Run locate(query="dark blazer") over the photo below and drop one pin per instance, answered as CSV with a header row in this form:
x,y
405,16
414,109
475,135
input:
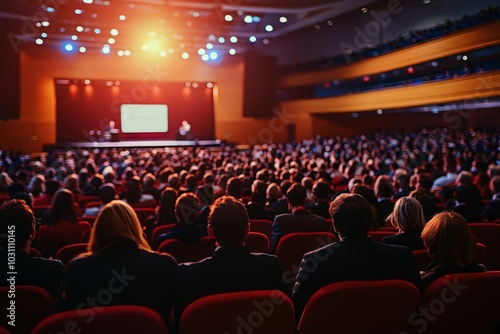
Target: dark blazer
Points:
x,y
229,269
470,215
190,233
351,260
492,210
409,239
384,209
321,209
122,274
280,206
38,271
298,221
259,211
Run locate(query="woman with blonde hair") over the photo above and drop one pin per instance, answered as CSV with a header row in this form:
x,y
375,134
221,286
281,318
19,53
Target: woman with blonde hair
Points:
x,y
120,268
451,244
408,218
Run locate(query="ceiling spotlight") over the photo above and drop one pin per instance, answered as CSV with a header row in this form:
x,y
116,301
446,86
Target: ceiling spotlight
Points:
x,y
45,23
106,49
269,28
82,49
248,19
39,41
163,53
228,17
74,37
201,51
121,53
464,57
364,10
210,46
426,2
252,39
87,81
185,55
68,47
79,28
111,40
127,52
214,55
97,31
283,19
232,52
222,40
205,57
210,85
78,11
265,41
122,17
233,39
113,32
43,34
379,111
88,1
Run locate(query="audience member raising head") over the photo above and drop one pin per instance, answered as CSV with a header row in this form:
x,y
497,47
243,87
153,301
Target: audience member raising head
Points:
x,y
118,252
450,242
408,218
17,217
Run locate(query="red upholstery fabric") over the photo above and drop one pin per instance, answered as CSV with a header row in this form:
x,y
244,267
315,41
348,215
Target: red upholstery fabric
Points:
x,y
488,234
360,307
460,303
143,214
257,242
184,252
157,231
261,225
292,247
256,312
67,253
123,319
33,304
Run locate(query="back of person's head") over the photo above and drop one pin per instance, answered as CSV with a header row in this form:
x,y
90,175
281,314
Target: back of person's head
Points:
x,y
24,196
463,194
259,189
368,180
37,184
5,180
449,240
71,182
174,181
187,208
366,192
307,182
352,215
424,181
107,193
228,221
273,192
51,187
149,180
296,195
96,181
234,187
165,173
465,177
63,207
134,190
495,184
408,214
285,185
108,174
403,180
205,194
191,181
16,213
166,213
117,221
427,202
208,178
321,190
353,182
383,187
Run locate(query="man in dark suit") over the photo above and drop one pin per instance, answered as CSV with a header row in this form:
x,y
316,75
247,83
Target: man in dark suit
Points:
x,y
321,194
232,267
300,220
356,257
18,220
256,208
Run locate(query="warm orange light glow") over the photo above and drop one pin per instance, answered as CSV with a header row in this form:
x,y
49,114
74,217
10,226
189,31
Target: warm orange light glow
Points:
x,y
73,89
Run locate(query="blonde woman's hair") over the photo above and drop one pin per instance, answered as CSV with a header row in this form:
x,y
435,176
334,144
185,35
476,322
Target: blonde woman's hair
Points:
x,y
408,214
116,221
449,240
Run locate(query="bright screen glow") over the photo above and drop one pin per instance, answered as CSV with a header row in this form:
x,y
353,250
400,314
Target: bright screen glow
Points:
x,y
144,118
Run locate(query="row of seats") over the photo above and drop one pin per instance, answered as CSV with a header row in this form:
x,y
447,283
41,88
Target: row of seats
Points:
x,y
458,303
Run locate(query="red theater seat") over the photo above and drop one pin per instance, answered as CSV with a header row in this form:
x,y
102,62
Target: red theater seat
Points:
x,y
256,312
123,319
257,242
360,307
68,252
184,252
261,225
489,235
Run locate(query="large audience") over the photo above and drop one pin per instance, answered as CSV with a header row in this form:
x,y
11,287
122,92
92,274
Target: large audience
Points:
x,y
425,185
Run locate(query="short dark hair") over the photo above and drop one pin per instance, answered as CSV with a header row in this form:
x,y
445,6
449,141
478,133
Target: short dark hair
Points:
x,y
296,195
107,193
234,187
187,208
321,190
229,221
15,212
259,189
51,187
352,215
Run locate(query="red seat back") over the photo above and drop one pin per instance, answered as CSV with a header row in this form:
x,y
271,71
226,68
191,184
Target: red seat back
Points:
x,y
69,252
378,235
157,231
261,225
459,303
32,305
488,234
257,242
184,252
423,258
143,214
124,319
360,307
256,312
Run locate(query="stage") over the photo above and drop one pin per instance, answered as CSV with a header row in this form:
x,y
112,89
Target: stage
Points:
x,y
135,143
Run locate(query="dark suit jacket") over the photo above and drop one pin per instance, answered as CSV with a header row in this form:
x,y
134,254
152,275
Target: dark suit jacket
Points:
x,y
384,209
259,211
470,215
38,271
435,271
409,239
351,260
280,207
230,269
492,210
298,221
122,274
321,209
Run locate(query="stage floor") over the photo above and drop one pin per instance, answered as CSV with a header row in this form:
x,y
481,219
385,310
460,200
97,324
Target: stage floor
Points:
x,y
139,143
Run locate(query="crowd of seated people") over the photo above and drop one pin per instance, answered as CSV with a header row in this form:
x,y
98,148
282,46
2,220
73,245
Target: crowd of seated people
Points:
x,y
413,37
382,180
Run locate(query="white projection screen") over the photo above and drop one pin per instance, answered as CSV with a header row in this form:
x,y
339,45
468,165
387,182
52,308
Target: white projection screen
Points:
x,y
144,118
